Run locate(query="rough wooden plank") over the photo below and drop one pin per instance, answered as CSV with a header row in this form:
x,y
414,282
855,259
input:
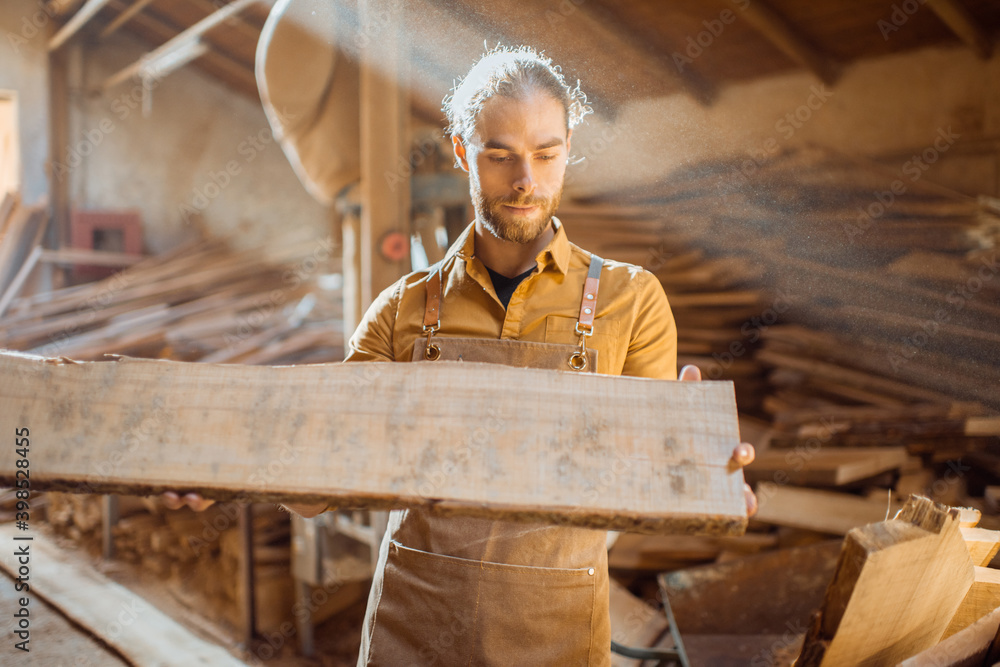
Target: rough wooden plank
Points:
x,y
974,646
898,584
983,597
822,511
830,466
634,623
479,439
670,552
768,593
983,544
114,614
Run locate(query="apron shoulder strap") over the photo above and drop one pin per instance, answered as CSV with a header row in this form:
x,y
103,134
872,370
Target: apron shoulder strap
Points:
x,y
588,305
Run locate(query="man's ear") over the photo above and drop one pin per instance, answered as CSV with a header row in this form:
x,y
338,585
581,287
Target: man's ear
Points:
x,y
569,133
460,153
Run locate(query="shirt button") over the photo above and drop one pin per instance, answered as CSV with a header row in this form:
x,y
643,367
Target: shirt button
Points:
x,y
590,571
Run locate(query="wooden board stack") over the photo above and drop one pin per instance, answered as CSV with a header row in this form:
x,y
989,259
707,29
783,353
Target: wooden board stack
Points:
x,y
202,301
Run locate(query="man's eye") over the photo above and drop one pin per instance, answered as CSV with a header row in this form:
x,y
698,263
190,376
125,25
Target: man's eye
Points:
x,y
547,157
499,158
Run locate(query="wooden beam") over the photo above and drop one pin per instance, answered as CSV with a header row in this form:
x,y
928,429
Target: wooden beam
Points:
x,y
975,645
385,199
113,614
983,597
983,544
823,511
15,286
654,47
180,41
219,65
124,17
70,256
964,25
897,585
78,20
476,439
762,594
829,466
782,34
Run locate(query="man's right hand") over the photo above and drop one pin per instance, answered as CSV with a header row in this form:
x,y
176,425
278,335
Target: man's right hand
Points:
x,y
193,500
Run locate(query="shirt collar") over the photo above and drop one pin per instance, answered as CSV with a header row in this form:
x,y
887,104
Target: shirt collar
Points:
x,y
556,253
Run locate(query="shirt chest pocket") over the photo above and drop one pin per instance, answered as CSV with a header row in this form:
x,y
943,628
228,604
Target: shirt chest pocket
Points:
x,y
561,329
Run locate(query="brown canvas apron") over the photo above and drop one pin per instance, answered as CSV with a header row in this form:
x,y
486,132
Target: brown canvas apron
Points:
x,y
469,591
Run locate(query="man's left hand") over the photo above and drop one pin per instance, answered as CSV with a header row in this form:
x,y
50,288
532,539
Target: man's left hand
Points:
x,y
742,455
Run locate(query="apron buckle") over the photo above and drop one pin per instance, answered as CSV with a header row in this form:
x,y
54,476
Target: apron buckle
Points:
x,y
431,351
578,360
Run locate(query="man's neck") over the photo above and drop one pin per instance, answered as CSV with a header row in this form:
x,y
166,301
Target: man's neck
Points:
x,y
506,257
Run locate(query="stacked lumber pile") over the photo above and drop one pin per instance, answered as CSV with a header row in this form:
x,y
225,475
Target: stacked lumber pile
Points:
x,y
913,283
711,297
203,301
872,348
188,551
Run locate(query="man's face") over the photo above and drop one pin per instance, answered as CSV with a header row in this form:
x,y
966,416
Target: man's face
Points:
x,y
516,160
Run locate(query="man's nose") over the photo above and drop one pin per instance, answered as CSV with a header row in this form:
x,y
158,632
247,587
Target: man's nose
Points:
x,y
524,182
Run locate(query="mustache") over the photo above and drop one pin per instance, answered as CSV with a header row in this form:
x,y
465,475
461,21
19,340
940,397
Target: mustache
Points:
x,y
517,201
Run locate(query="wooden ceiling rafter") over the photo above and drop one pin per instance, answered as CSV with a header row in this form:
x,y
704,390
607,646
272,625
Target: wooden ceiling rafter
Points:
x,y
124,17
76,22
958,19
230,71
179,41
689,79
784,35
542,28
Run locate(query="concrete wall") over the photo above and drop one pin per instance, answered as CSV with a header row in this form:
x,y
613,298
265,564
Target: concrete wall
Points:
x,y
203,151
24,68
878,108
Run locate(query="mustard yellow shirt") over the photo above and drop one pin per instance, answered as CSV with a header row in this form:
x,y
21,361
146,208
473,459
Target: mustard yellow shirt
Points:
x,y
634,330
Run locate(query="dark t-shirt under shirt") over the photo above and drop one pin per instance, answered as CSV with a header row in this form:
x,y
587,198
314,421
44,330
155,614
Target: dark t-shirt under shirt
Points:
x,y
504,286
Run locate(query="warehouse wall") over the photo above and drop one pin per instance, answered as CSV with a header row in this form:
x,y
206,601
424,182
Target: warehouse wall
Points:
x,y
24,68
204,151
885,108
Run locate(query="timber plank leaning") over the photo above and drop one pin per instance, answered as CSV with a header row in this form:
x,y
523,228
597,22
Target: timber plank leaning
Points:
x,y
477,439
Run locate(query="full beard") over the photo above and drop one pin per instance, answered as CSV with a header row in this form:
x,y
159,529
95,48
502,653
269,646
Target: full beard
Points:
x,y
515,228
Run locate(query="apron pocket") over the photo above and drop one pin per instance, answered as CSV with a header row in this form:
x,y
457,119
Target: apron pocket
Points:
x,y
443,610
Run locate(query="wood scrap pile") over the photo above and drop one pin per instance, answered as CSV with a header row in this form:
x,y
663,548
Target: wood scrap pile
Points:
x,y
911,280
203,301
187,551
873,349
